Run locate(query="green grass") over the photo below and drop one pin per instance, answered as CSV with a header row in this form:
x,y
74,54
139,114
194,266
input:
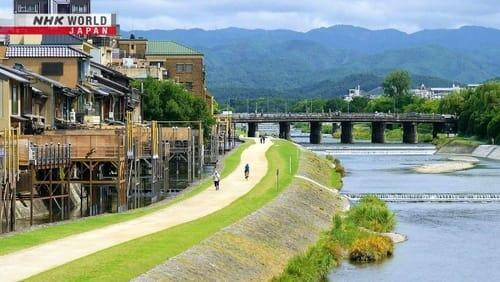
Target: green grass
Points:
x,y
336,174
347,236
128,260
28,239
372,213
457,141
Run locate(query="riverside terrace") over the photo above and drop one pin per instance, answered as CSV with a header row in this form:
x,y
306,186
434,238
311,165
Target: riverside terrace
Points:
x,y
441,123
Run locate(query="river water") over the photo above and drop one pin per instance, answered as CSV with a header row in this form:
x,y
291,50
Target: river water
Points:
x,y
447,241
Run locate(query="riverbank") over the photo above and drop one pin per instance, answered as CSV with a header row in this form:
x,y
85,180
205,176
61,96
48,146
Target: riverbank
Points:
x,y
468,147
133,258
360,235
259,246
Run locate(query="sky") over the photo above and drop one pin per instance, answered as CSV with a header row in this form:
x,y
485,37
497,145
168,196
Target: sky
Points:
x,y
299,15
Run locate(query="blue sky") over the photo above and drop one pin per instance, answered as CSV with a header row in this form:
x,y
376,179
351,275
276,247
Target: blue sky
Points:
x,y
300,15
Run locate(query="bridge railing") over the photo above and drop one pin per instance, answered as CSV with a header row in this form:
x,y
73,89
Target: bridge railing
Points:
x,y
339,115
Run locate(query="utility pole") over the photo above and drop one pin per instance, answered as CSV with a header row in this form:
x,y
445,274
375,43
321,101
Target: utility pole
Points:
x,y
277,180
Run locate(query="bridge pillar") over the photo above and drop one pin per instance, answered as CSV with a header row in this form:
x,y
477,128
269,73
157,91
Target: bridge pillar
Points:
x,y
410,133
437,128
285,131
315,137
346,134
252,129
335,127
378,132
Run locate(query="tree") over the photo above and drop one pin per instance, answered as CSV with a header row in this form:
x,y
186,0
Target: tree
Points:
x,y
397,85
452,103
167,100
382,104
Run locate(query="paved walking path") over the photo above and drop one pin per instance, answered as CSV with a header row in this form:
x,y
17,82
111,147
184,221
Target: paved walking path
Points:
x,y
26,263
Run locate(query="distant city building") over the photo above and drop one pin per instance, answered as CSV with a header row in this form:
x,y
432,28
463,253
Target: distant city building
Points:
x,y
353,93
52,6
435,92
140,58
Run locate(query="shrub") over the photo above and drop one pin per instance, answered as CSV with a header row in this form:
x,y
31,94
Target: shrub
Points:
x,y
313,266
373,214
371,249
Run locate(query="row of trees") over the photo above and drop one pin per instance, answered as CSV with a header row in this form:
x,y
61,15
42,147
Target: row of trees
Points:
x,y
478,110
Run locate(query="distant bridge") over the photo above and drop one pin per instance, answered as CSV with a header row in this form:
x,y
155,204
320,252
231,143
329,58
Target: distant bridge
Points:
x,y
429,197
441,123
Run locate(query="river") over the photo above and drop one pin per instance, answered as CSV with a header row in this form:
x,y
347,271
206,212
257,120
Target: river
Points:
x,y
447,241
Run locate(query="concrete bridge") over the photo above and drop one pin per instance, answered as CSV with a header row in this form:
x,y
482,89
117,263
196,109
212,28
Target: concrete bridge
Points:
x,y
430,197
379,121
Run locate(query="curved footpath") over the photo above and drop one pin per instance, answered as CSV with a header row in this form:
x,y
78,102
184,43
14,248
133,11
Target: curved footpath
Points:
x,y
259,247
26,263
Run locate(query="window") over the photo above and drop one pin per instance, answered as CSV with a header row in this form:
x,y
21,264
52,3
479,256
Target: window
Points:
x,y
14,100
132,47
79,9
27,8
63,9
157,64
188,86
52,69
26,100
184,68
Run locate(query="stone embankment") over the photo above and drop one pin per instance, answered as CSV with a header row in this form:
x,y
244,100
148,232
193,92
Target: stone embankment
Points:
x,y
487,152
462,158
481,151
259,247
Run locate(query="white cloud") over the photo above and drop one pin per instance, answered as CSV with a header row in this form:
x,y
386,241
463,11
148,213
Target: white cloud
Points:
x,y
410,15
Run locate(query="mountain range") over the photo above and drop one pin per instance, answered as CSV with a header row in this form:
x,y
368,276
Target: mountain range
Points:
x,y
326,62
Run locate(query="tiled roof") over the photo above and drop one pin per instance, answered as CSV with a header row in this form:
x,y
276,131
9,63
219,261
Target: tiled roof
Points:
x,y
169,48
13,74
43,51
61,40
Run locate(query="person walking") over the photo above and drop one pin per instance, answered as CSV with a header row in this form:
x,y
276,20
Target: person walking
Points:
x,y
216,178
247,171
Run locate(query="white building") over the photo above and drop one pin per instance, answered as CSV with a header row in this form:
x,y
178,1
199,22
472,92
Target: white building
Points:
x,y
435,92
353,93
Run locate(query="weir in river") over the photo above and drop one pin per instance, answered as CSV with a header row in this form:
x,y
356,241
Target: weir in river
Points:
x,y
429,197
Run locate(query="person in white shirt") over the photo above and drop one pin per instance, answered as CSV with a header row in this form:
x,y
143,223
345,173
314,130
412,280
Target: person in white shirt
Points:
x,y
216,177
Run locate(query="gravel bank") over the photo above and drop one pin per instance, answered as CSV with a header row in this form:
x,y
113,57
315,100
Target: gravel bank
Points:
x,y
445,167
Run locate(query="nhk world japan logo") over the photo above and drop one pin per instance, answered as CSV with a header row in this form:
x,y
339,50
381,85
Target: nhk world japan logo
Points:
x,y
75,24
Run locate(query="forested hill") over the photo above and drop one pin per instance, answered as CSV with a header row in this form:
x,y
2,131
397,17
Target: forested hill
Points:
x,y
328,61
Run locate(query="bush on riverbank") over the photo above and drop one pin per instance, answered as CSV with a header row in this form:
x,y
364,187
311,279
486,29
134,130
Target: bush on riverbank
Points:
x,y
371,249
353,236
373,214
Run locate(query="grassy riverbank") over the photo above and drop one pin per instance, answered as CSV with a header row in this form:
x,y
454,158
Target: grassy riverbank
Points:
x,y
457,141
16,242
128,260
259,246
352,236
